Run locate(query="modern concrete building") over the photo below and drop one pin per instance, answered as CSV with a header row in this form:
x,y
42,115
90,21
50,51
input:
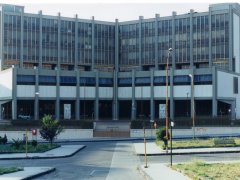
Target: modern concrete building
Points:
x,y
74,68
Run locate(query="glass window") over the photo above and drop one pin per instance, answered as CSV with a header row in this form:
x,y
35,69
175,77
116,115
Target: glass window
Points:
x,y
125,82
68,81
203,79
87,81
25,80
106,82
142,81
181,80
47,80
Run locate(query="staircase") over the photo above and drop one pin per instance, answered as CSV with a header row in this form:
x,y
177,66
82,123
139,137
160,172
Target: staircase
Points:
x,y
111,129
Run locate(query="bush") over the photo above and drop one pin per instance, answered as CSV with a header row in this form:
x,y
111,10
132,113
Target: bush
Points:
x,y
16,143
161,135
4,139
34,143
50,128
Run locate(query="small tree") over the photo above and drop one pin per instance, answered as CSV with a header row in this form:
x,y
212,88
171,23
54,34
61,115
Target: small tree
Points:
x,y
50,128
161,135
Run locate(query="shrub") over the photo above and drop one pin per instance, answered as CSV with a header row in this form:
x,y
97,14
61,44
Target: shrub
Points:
x,y
16,143
34,143
161,135
4,139
50,128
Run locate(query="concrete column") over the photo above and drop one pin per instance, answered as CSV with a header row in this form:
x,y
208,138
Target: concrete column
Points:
x,y
191,38
157,16
192,93
173,40
115,75
152,105
233,110
97,96
1,40
57,109
210,36
21,43
76,44
40,40
1,111
36,99
171,94
77,103
140,42
134,104
230,39
214,91
93,45
59,40
14,94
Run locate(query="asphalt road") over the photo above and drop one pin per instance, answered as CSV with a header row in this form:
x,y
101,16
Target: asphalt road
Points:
x,y
107,161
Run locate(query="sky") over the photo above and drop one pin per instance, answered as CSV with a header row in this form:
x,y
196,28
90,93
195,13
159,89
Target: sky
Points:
x,y
123,10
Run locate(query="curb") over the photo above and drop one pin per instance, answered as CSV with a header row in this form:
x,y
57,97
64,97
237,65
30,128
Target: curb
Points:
x,y
143,173
37,157
185,153
40,174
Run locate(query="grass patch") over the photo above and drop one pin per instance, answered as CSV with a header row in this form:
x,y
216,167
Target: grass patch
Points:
x,y
198,143
6,170
8,148
200,170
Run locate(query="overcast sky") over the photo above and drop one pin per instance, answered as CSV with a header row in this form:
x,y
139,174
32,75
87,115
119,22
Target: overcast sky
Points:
x,y
107,11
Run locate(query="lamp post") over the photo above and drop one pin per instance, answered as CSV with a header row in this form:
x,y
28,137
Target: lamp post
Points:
x,y
193,104
166,111
172,125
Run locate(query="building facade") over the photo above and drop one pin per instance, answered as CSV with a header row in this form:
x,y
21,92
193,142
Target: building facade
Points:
x,y
73,68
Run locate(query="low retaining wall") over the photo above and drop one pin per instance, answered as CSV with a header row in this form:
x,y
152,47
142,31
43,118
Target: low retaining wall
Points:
x,y
78,134
199,132
67,134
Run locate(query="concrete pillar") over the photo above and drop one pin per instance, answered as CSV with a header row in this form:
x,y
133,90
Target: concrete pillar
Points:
x,y
171,94
1,112
115,75
191,38
214,91
36,98
76,43
59,45
57,105
40,40
230,39
173,40
140,42
134,105
14,94
93,45
192,93
152,105
77,103
97,96
21,43
157,16
210,36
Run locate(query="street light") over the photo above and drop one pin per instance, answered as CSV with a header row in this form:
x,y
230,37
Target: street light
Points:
x,y
193,105
166,111
172,125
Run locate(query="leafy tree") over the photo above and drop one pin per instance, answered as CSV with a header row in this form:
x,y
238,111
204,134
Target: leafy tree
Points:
x,y
161,135
50,128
